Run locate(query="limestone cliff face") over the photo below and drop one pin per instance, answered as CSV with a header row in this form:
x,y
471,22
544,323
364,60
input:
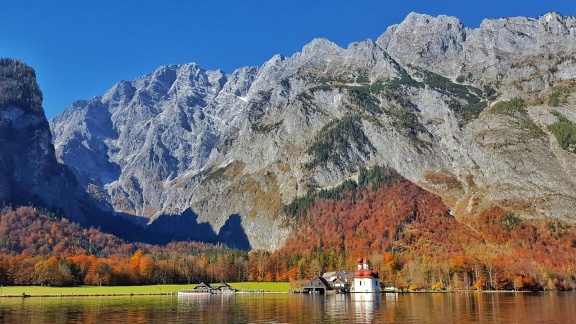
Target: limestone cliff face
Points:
x,y
234,148
29,171
501,50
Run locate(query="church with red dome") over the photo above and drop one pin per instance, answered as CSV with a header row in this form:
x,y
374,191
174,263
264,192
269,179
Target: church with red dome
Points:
x,y
365,279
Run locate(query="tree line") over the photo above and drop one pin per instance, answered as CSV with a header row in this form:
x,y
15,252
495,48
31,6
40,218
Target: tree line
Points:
x,y
37,247
139,269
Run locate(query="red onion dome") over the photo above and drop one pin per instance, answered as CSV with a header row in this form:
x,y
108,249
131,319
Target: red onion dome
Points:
x,y
366,273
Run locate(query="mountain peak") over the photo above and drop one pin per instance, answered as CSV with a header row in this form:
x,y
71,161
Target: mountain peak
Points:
x,y
321,47
418,19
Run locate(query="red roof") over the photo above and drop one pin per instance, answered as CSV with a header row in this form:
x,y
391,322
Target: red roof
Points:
x,y
366,273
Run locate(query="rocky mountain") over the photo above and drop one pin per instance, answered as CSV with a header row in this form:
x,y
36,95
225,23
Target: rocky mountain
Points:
x,y
30,174
29,171
468,114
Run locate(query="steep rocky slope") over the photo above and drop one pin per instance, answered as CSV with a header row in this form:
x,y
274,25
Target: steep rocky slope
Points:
x,y
30,174
29,171
429,98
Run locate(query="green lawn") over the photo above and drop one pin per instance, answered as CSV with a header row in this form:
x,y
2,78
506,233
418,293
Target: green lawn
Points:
x,y
126,290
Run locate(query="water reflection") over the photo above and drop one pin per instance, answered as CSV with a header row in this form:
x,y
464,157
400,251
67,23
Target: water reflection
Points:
x,y
365,306
287,308
83,310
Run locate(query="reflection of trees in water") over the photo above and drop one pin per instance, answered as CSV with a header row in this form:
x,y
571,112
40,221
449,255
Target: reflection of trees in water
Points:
x,y
297,308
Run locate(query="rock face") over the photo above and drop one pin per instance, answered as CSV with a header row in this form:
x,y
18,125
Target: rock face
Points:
x,y
216,156
29,171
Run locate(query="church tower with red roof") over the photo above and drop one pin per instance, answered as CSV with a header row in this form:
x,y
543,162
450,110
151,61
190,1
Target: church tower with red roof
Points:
x,y
366,280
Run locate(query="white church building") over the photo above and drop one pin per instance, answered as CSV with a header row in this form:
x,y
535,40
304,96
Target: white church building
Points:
x,y
366,280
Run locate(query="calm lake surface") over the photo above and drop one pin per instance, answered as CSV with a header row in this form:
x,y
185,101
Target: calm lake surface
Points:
x,y
289,308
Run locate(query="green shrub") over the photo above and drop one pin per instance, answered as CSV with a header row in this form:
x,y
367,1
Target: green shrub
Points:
x,y
509,107
336,139
361,97
560,94
565,132
510,222
377,176
408,121
214,173
403,81
465,101
266,128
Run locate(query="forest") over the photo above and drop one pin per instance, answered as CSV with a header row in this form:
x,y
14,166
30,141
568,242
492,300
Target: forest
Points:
x,y
414,242
38,248
407,233
18,86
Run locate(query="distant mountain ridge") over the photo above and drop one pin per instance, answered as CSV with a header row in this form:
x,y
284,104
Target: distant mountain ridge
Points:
x,y
430,98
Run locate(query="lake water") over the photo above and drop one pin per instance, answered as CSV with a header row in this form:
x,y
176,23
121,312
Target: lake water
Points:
x,y
290,308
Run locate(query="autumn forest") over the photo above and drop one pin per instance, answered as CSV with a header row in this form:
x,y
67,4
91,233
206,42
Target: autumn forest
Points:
x,y
407,232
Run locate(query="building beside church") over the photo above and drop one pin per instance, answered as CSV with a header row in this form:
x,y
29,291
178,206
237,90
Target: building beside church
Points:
x,y
364,280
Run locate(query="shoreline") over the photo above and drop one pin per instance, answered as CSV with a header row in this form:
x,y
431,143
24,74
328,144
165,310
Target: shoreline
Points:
x,y
243,288
173,293
90,295
125,291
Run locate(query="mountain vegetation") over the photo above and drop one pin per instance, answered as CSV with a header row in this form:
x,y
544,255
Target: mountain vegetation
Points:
x,y
414,242
336,140
18,87
565,132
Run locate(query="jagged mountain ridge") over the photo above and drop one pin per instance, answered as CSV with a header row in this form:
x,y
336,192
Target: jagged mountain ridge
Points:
x,y
418,99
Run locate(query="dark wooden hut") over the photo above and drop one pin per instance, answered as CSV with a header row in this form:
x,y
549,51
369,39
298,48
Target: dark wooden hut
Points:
x,y
317,285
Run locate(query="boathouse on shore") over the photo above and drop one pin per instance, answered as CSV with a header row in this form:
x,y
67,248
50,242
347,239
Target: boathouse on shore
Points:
x,y
363,280
318,285
203,287
225,288
339,281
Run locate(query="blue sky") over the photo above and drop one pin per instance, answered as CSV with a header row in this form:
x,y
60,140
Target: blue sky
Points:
x,y
81,48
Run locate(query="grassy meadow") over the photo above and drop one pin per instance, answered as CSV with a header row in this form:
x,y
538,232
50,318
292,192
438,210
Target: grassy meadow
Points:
x,y
136,290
